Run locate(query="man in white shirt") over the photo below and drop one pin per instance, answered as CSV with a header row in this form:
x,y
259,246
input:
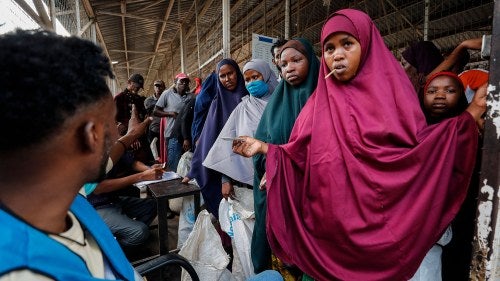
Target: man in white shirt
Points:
x,y
169,105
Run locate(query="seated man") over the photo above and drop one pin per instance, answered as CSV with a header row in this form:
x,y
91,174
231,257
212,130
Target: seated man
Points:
x,y
128,217
48,231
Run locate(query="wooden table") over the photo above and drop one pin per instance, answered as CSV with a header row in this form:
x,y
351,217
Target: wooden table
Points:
x,y
161,192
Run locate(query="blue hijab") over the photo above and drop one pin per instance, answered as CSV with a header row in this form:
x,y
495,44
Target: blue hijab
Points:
x,y
221,107
202,104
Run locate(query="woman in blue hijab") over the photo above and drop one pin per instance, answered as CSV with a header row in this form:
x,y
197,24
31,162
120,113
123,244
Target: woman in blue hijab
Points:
x,y
230,89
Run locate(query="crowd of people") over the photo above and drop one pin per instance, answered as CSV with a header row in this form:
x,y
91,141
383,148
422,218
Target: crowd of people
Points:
x,y
357,171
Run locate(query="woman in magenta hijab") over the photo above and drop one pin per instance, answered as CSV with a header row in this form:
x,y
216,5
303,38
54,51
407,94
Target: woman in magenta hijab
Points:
x,y
364,187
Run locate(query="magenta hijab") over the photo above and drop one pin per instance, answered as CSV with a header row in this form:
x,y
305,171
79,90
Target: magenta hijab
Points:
x,y
365,187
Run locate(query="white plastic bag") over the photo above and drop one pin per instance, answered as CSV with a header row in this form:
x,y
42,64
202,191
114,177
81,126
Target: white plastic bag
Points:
x,y
236,218
184,164
203,249
182,170
186,217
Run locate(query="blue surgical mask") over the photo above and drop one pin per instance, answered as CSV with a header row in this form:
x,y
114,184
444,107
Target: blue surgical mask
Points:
x,y
257,88
89,187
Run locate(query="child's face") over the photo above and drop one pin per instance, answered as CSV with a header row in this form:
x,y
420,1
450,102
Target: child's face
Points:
x,y
342,53
442,96
294,66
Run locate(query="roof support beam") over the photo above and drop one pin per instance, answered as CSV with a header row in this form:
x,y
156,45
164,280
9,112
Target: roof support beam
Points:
x,y
128,15
149,6
31,13
211,59
160,35
85,27
123,8
137,60
43,14
131,51
91,15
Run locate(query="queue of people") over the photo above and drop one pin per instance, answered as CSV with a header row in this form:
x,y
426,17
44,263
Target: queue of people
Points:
x,y
357,171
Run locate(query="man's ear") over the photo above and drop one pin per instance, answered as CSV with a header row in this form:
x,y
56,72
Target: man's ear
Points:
x,y
90,136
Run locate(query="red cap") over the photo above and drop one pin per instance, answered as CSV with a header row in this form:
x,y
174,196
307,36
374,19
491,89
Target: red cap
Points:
x,y
181,76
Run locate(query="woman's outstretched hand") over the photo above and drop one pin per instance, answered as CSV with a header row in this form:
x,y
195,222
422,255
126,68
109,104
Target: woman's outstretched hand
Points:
x,y
248,147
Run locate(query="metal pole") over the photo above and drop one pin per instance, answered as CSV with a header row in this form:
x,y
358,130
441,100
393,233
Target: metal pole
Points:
x,y
52,11
485,264
226,29
93,31
426,19
77,16
181,38
287,19
197,37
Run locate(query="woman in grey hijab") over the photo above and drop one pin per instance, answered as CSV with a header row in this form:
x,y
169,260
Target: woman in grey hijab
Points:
x,y
237,171
260,81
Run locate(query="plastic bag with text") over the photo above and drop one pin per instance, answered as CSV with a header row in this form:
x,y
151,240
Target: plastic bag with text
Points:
x,y
183,168
203,249
236,218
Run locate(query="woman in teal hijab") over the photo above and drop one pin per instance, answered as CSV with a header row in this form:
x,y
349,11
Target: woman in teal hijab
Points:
x,y
299,68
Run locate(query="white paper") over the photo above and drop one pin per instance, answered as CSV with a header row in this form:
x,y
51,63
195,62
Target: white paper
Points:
x,y
166,177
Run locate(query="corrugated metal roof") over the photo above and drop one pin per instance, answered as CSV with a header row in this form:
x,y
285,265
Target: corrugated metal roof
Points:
x,y
143,36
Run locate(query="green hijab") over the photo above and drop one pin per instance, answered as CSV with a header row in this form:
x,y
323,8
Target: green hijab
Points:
x,y
275,127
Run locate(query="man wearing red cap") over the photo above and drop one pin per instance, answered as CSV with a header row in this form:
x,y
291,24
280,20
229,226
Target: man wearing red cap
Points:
x,y
169,105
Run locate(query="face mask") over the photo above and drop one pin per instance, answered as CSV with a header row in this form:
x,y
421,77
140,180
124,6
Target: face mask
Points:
x,y
257,88
91,186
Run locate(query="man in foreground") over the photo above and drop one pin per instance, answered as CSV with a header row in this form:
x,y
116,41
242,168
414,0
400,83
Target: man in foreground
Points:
x,y
55,88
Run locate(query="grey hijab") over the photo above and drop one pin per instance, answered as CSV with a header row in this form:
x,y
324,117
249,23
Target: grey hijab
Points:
x,y
243,121
263,68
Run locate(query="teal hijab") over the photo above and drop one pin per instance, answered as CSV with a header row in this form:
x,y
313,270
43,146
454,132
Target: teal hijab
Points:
x,y
275,127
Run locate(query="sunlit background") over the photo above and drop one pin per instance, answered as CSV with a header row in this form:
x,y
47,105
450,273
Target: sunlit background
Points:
x,y
12,17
